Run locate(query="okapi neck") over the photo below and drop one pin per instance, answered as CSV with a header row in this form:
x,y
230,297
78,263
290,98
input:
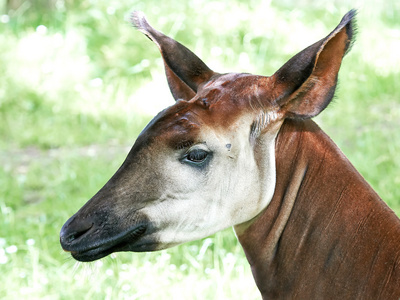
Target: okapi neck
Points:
x,y
310,241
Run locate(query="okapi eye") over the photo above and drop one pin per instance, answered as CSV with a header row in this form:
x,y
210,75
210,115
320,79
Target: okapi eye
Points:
x,y
197,156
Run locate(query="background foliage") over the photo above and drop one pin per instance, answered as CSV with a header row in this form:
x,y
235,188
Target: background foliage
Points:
x,y
77,85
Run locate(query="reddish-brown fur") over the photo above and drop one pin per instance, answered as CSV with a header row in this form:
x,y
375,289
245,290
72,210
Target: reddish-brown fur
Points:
x,y
326,234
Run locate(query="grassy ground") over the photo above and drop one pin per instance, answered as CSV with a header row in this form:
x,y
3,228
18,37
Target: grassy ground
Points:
x,y
77,85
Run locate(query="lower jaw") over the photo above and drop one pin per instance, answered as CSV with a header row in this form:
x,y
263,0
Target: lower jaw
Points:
x,y
98,253
90,255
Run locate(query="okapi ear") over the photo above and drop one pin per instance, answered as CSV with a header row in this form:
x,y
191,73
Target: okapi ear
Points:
x,y
305,85
184,70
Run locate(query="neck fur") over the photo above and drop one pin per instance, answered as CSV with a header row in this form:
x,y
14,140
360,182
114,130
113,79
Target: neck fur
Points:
x,y
324,227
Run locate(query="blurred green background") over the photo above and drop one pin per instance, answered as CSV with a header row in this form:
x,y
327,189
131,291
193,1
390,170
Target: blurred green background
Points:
x,y
77,85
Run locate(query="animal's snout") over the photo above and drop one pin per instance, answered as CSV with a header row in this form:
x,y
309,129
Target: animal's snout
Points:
x,y
91,236
73,231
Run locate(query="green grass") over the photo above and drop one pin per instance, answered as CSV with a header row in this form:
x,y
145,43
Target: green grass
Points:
x,y
75,94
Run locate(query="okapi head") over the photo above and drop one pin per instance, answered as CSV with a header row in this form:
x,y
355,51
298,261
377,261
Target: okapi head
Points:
x,y
208,161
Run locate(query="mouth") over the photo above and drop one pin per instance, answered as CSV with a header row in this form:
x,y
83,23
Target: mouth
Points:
x,y
121,242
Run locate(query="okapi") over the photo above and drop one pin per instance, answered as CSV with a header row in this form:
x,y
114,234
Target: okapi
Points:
x,y
241,150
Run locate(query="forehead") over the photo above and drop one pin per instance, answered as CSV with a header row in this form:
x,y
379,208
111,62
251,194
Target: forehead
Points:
x,y
218,104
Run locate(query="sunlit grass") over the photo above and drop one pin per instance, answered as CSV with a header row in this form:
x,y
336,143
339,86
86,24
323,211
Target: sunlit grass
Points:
x,y
77,86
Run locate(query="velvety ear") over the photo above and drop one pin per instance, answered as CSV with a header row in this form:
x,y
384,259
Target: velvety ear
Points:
x,y
305,85
184,70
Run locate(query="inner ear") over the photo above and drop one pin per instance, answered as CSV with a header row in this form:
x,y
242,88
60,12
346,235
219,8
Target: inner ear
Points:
x,y
185,71
305,85
179,89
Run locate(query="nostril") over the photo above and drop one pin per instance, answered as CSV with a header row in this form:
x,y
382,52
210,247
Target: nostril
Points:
x,y
70,238
76,235
72,230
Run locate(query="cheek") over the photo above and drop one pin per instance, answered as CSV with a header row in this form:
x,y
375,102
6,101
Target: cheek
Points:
x,y
181,179
194,203
182,220
238,187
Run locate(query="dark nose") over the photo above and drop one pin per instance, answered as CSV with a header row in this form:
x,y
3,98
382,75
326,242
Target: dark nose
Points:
x,y
73,230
